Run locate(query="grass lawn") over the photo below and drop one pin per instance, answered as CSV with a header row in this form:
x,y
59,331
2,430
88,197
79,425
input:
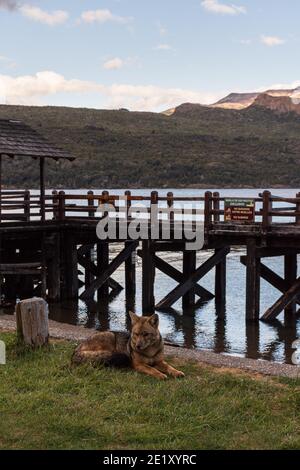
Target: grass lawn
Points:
x,y
47,404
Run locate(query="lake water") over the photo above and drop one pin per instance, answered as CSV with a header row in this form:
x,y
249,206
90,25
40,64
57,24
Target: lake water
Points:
x,y
200,328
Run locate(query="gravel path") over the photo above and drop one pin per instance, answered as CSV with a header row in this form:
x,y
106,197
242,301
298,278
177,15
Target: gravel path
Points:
x,y
79,333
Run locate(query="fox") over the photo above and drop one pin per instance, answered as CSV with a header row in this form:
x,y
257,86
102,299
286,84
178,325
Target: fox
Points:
x,y
142,349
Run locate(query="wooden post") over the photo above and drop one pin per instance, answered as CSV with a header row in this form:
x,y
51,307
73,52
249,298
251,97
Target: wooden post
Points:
x,y
220,287
189,267
252,340
267,207
290,275
252,282
32,322
53,267
55,204
27,205
130,263
70,267
170,202
148,276
207,212
298,209
62,203
102,265
42,188
216,206
91,204
88,276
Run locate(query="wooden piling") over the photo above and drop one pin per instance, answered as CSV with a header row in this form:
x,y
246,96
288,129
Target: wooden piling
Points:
x,y
102,264
220,287
189,267
148,276
290,275
52,247
252,282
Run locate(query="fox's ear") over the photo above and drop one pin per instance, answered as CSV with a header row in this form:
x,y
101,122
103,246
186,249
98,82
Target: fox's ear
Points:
x,y
154,320
134,318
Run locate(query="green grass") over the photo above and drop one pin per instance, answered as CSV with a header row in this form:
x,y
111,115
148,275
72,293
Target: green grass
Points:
x,y
47,404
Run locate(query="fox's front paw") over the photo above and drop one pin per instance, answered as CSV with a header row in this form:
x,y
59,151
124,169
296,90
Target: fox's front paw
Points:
x,y
178,374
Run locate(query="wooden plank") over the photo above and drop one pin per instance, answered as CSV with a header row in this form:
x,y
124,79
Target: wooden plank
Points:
x,y
252,282
282,302
182,288
172,272
120,258
87,263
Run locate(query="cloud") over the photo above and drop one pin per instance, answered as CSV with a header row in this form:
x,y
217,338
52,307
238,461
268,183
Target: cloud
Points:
x,y
8,5
38,89
272,41
41,16
113,64
103,16
163,47
214,6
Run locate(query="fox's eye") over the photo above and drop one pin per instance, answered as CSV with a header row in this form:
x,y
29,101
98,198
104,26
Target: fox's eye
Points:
x,y
145,334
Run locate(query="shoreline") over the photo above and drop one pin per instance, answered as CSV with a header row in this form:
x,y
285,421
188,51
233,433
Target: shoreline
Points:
x,y
63,331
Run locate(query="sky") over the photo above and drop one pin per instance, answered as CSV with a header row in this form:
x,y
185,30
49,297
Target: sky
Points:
x,y
146,55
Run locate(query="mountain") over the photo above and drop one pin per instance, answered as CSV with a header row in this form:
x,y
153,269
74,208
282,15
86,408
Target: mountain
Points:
x,y
278,103
236,101
197,146
244,100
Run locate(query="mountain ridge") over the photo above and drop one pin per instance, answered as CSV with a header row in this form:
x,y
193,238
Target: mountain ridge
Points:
x,y
206,148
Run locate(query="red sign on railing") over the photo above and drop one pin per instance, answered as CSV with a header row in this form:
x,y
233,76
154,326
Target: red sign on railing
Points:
x,y
239,210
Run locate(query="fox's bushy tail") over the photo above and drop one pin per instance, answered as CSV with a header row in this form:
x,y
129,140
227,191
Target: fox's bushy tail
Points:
x,y
104,358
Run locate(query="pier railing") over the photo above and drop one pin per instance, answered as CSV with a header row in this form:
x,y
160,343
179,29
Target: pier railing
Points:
x,y
25,206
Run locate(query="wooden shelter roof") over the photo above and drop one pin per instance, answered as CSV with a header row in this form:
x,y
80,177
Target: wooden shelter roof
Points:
x,y
18,139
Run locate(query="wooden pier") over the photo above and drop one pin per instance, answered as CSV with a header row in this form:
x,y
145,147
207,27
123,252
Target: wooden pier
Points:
x,y
49,247
49,244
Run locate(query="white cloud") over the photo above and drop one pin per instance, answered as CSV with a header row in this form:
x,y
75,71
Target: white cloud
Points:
x,y
214,6
113,64
102,16
38,89
163,47
281,86
41,16
272,41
